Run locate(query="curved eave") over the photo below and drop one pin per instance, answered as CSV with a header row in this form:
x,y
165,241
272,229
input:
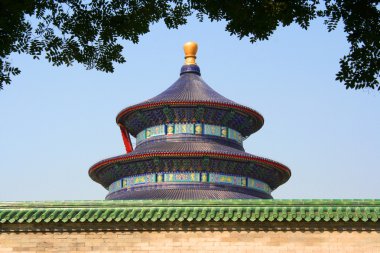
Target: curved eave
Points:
x,y
243,109
123,158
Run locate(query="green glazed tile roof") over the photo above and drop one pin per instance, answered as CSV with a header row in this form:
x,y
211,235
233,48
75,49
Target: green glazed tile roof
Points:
x,y
190,210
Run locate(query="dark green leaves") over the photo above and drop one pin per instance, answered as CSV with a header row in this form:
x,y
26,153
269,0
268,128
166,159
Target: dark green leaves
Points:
x,y
86,32
89,32
7,70
360,68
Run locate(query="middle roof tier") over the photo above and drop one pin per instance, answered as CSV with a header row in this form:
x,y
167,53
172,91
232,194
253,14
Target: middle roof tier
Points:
x,y
189,154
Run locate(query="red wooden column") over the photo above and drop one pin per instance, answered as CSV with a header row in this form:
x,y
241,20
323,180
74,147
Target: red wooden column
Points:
x,y
126,139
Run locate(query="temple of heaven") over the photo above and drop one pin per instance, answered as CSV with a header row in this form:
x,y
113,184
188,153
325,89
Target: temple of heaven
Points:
x,y
189,145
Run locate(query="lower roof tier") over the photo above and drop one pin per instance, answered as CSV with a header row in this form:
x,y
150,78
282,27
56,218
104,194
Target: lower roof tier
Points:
x,y
189,156
188,185
192,193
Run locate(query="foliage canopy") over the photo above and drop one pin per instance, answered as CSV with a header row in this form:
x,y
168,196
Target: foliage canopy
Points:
x,y
88,32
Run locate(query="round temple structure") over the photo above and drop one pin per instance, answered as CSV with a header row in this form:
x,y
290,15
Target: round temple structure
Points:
x,y
189,145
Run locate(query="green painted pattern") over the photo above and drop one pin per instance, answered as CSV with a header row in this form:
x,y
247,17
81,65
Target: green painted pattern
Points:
x,y
190,210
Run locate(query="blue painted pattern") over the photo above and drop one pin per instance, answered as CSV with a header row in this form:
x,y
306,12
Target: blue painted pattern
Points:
x,y
137,180
183,129
212,130
224,179
190,177
155,131
189,128
234,135
182,177
257,184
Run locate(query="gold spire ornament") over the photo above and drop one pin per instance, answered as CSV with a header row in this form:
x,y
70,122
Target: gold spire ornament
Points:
x,y
190,49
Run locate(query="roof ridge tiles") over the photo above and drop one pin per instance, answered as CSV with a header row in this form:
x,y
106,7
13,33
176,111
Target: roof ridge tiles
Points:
x,y
366,210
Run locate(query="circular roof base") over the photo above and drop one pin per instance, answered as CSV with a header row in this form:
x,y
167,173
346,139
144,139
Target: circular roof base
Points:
x,y
214,192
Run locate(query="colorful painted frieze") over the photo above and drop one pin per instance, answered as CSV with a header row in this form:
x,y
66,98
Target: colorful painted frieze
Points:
x,y
189,128
198,129
234,135
115,186
244,181
137,180
188,177
251,183
212,130
155,131
204,177
170,129
184,128
182,177
224,179
224,132
258,185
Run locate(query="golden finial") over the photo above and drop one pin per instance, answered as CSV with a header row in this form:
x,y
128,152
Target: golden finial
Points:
x,y
190,49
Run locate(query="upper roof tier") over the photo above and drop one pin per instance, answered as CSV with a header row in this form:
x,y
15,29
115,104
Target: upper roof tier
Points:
x,y
190,99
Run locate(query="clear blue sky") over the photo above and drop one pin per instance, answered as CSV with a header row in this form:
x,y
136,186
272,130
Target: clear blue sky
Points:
x,y
56,122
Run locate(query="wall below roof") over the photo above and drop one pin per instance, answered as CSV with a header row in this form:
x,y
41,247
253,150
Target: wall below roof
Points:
x,y
194,237
191,226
